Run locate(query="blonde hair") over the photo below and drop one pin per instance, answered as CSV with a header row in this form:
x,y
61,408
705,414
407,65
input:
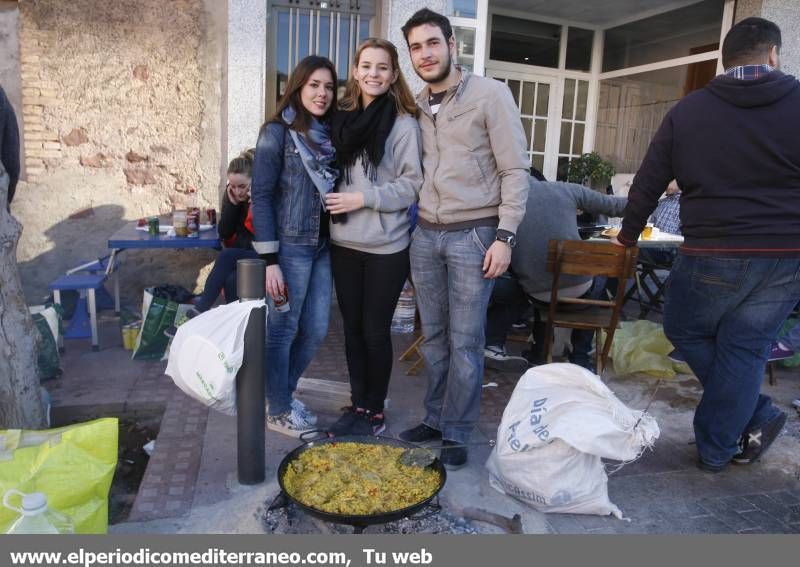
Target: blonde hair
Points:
x,y
398,90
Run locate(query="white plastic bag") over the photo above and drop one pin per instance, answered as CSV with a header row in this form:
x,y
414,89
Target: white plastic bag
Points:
x,y
207,352
560,421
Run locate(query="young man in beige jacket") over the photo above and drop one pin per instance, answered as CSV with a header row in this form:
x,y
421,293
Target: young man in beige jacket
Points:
x,y
472,199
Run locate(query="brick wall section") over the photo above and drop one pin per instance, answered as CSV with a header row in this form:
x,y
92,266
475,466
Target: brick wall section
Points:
x,y
38,93
121,118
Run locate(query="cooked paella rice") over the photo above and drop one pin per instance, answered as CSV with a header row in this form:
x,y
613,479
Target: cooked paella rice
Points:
x,y
357,479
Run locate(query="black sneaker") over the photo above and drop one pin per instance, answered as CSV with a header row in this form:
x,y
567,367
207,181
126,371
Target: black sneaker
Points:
x,y
344,425
368,423
453,458
753,444
420,434
709,468
170,331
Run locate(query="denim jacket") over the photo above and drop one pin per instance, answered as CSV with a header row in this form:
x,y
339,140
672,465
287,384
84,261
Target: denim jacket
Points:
x,y
285,202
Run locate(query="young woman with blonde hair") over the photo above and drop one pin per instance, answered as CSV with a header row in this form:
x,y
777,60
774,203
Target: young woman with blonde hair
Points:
x,y
378,149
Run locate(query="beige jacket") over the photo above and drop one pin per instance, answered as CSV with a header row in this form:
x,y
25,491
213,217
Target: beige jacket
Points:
x,y
473,155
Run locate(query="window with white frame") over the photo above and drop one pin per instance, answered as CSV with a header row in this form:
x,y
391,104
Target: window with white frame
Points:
x,y
610,85
468,18
555,59
648,66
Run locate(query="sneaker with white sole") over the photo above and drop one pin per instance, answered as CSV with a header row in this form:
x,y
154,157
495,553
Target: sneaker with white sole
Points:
x,y
288,423
497,358
778,351
302,410
754,443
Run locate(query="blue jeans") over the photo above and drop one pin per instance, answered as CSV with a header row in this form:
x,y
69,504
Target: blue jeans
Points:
x,y
294,336
452,295
722,314
508,304
223,276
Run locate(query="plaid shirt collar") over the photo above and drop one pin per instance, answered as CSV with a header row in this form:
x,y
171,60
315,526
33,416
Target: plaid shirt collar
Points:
x,y
749,72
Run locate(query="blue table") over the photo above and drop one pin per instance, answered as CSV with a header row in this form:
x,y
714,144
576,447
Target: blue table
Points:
x,y
128,237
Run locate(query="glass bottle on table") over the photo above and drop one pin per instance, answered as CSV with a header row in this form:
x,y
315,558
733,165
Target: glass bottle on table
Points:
x,y
179,223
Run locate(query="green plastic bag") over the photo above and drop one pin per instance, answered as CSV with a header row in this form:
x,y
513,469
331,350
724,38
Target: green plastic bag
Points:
x,y
641,347
73,466
48,323
158,315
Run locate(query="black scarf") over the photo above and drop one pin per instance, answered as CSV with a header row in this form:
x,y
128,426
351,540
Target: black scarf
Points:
x,y
362,133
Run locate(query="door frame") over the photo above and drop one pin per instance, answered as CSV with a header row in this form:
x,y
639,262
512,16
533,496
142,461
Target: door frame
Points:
x,y
553,110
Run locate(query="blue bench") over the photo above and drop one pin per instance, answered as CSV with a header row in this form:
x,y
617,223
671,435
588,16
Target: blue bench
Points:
x,y
89,283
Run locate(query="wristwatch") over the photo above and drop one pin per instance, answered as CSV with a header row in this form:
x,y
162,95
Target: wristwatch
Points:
x,y
507,237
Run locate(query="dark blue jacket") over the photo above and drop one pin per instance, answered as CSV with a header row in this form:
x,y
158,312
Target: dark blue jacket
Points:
x,y
285,202
9,143
733,147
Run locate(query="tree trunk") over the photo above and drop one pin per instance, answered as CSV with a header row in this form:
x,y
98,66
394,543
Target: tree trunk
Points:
x,y
20,399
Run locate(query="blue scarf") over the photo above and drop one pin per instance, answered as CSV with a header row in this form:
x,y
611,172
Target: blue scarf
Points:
x,y
318,157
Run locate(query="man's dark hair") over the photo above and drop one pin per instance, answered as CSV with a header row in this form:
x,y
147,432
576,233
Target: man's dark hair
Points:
x,y
425,16
749,41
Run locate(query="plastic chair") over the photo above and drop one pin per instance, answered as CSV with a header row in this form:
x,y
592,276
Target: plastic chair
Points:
x,y
574,257
89,283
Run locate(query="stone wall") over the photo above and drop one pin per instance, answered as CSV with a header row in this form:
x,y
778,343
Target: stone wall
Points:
x,y
786,14
121,119
394,16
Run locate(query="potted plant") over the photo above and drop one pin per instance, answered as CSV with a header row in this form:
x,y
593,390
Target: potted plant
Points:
x,y
591,170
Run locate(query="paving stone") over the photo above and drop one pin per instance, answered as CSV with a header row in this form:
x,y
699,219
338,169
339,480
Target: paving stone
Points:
x,y
589,522
769,523
770,506
738,504
564,524
707,525
785,497
721,511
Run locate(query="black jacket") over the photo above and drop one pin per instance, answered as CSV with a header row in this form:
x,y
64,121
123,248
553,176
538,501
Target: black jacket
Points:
x,y
231,223
734,148
9,143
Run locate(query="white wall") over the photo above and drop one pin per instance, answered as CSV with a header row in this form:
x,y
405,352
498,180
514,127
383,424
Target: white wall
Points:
x,y
247,52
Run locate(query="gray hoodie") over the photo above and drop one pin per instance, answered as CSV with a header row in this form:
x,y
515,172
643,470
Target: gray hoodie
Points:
x,y
381,227
551,214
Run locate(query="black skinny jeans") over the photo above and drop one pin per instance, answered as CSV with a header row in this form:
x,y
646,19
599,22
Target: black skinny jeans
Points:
x,y
367,288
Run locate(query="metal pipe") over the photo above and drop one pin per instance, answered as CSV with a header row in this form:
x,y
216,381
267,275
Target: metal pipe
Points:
x,y
250,386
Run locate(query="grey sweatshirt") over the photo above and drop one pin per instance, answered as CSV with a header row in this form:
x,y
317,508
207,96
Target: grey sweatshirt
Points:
x,y
381,227
551,214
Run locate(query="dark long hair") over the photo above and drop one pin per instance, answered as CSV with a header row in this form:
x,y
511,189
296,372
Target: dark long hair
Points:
x,y
297,80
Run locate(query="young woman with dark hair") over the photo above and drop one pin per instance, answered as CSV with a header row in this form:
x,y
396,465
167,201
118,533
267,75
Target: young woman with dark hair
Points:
x,y
294,169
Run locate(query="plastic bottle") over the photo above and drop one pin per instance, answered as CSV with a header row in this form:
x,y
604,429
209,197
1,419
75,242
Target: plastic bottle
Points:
x,y
405,312
36,517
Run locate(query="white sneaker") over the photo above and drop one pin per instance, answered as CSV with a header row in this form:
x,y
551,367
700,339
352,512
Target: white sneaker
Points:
x,y
497,358
288,423
302,411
